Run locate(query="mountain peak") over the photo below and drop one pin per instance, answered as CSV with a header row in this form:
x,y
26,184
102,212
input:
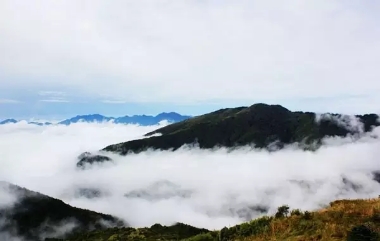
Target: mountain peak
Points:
x,y
168,115
263,106
7,121
260,125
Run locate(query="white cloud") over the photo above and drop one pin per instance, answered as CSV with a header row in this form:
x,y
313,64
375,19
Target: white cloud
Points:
x,y
9,101
193,51
52,93
55,100
199,187
53,96
114,101
7,197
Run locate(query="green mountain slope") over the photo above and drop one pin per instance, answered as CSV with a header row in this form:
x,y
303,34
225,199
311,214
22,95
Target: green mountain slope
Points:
x,y
34,214
259,124
177,231
343,220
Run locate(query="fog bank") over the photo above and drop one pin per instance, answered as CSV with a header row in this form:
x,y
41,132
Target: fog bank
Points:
x,y
204,188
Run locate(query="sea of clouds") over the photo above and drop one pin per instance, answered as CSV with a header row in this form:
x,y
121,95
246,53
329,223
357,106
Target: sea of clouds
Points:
x,y
204,188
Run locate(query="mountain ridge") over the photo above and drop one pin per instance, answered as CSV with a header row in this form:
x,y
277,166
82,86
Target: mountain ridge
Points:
x,y
260,124
144,120
343,220
347,219
28,214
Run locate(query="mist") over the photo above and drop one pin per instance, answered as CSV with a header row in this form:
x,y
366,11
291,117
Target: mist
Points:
x,y
203,188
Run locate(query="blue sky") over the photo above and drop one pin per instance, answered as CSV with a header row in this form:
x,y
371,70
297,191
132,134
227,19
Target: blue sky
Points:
x,y
62,58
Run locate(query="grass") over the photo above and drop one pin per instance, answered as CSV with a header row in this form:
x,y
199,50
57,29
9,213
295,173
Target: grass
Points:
x,y
348,220
332,223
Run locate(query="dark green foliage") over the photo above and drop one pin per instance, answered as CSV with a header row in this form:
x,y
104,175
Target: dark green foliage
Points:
x,y
224,234
178,231
259,124
376,217
295,212
203,237
88,158
255,227
245,230
363,233
307,215
282,211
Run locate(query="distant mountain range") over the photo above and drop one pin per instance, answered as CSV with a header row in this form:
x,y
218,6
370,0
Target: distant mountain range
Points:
x,y
144,120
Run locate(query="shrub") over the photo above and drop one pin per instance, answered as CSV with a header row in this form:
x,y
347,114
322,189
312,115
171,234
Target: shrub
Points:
x,y
260,225
282,211
202,237
245,229
363,233
296,212
224,234
307,215
376,216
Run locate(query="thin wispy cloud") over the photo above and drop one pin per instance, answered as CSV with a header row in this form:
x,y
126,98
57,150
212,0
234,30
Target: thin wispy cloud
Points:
x,y
53,96
9,101
114,101
55,100
52,93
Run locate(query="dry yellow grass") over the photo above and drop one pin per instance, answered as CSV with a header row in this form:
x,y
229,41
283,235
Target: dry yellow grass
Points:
x,y
332,223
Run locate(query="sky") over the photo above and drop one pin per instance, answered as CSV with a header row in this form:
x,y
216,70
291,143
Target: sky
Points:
x,y
203,188
62,58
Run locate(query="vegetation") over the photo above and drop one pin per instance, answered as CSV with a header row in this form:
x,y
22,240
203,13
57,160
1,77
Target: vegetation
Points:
x,y
177,231
259,125
87,158
342,220
345,220
35,213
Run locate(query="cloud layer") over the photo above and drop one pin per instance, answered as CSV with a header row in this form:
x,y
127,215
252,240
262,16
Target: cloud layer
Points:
x,y
194,51
205,188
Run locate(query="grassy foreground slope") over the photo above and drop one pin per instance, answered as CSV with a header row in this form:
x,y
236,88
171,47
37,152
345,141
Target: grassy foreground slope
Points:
x,y
348,220
342,220
259,124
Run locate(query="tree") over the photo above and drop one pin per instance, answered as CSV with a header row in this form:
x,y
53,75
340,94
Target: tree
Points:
x,y
282,211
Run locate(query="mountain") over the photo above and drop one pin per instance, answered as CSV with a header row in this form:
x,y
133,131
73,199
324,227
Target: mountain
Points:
x,y
13,121
34,214
342,220
40,123
38,217
178,231
144,120
8,121
86,118
261,125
